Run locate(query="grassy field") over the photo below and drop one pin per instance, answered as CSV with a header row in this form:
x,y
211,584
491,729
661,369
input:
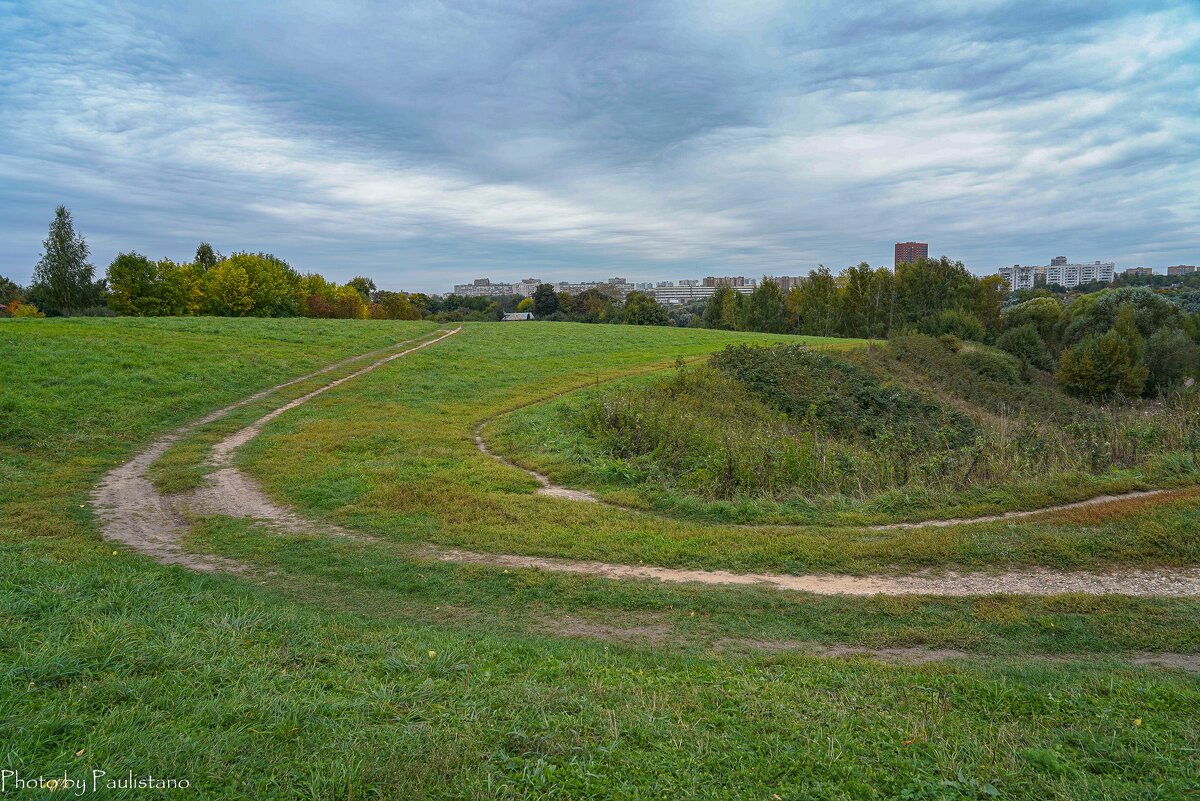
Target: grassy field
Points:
x,y
338,669
397,458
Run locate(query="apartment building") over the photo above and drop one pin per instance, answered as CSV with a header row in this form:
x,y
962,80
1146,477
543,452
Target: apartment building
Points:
x,y
786,283
1018,277
909,252
1181,269
615,286
728,280
685,293
1069,275
484,288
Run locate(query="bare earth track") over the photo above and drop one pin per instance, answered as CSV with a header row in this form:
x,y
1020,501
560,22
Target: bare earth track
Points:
x,y
134,513
1183,583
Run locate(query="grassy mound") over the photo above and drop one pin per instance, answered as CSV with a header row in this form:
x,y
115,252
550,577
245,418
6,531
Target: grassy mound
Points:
x,y
919,426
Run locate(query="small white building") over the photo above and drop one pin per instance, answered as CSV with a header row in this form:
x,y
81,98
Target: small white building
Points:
x,y
511,316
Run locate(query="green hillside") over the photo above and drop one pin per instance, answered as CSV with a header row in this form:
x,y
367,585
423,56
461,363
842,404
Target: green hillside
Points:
x,y
363,666
916,428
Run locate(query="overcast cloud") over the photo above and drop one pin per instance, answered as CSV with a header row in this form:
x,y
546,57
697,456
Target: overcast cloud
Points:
x,y
428,143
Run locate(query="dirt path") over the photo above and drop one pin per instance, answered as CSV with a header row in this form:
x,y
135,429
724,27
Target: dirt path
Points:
x,y
133,512
1062,507
548,487
136,514
1177,583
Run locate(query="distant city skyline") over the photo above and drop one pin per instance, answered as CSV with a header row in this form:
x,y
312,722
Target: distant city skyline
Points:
x,y
428,143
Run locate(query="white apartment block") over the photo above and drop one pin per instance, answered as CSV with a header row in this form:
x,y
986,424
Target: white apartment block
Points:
x,y
688,291
618,286
1018,277
482,287
1058,272
1069,275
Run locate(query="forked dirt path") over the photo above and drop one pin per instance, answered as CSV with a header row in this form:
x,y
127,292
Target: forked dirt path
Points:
x,y
133,512
547,487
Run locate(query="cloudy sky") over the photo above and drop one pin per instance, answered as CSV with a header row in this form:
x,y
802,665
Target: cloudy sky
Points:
x,y
427,143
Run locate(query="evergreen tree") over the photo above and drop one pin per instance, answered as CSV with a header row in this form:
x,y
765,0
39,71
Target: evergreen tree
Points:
x,y
62,279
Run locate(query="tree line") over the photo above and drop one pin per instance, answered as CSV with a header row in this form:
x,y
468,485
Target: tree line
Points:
x,y
1126,340
933,296
264,285
239,285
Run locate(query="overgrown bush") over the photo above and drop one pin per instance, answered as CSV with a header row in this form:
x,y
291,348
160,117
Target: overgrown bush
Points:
x,y
1170,356
950,321
1025,342
1095,314
841,397
1102,367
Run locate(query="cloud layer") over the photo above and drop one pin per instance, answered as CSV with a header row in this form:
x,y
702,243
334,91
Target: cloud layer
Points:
x,y
431,142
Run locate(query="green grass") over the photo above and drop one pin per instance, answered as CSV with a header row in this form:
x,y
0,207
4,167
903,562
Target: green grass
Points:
x,y
396,458
399,582
318,681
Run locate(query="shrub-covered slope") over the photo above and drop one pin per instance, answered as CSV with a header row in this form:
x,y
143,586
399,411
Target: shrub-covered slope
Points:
x,y
786,431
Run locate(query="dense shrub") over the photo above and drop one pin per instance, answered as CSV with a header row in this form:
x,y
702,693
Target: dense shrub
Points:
x,y
19,309
984,384
960,324
1024,342
1095,314
841,397
1042,313
641,309
1102,367
1170,356
781,422
991,364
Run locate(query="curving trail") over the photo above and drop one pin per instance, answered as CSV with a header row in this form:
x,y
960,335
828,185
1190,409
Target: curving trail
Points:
x,y
547,487
133,512
1176,583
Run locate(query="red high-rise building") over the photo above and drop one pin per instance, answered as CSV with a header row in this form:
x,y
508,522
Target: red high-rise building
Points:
x,y
908,252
